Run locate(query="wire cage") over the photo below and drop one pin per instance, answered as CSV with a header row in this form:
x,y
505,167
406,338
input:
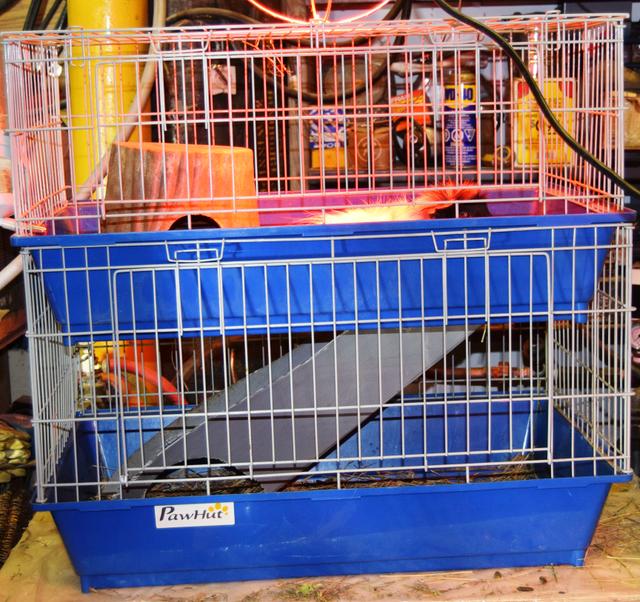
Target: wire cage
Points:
x,y
316,397
323,438
301,297
242,126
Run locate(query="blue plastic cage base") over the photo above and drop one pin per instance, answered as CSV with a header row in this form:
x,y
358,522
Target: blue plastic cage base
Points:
x,y
312,277
313,532
571,557
395,529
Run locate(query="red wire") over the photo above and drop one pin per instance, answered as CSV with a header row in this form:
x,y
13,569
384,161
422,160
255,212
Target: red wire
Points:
x,y
277,15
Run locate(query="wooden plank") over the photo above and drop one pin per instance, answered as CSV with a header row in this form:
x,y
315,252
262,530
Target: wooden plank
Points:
x,y
13,19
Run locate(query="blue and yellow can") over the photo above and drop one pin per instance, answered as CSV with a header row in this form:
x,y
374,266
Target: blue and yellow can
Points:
x,y
460,131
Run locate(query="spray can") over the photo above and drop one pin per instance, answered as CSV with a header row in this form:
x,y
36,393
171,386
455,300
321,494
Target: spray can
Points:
x,y
460,126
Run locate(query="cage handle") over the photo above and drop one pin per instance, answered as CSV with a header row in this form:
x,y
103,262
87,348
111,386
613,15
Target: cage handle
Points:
x,y
172,48
199,252
446,243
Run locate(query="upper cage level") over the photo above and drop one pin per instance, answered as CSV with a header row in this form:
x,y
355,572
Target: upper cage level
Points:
x,y
244,126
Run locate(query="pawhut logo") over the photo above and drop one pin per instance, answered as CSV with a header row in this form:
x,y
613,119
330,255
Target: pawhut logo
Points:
x,y
213,514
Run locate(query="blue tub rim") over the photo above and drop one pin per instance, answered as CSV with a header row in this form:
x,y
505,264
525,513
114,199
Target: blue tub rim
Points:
x,y
624,216
334,494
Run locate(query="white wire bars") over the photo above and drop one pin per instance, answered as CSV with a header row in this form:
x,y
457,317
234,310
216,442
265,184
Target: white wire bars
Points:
x,y
280,124
342,372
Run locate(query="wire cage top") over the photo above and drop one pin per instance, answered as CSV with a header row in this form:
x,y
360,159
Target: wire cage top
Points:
x,y
243,126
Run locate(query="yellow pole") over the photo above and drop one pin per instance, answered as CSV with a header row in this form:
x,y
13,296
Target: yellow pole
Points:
x,y
101,85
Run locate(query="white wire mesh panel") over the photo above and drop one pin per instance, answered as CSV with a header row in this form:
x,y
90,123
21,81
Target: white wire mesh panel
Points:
x,y
271,125
340,381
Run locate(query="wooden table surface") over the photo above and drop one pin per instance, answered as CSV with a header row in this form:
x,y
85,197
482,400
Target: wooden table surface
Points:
x,y
39,570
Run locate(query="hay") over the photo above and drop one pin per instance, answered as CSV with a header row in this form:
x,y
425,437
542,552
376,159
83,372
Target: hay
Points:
x,y
198,486
618,533
235,482
516,470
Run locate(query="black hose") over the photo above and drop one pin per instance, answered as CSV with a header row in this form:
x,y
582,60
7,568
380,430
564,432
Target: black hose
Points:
x,y
62,20
545,109
210,12
50,13
32,15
